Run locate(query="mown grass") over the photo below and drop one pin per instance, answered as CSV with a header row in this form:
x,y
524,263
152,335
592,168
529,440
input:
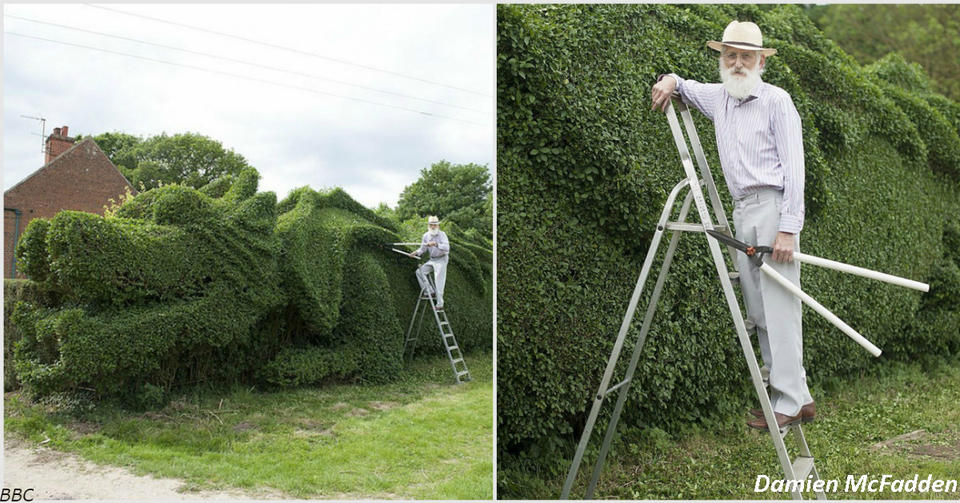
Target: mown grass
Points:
x,y
723,462
421,437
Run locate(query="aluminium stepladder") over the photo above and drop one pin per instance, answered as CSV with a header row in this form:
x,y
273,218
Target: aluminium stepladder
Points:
x,y
454,354
797,470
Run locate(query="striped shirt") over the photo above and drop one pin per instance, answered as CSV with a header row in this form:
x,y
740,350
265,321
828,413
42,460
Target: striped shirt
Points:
x,y
439,252
760,141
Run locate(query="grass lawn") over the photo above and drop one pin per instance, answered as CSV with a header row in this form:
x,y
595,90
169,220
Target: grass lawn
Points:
x,y
421,437
855,417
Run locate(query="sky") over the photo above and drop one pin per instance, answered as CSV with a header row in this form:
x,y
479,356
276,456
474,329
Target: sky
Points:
x,y
288,87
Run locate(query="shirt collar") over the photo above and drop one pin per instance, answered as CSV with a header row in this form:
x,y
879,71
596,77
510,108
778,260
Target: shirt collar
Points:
x,y
755,94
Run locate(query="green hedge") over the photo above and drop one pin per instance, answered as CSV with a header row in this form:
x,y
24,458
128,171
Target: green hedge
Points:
x,y
15,290
584,167
172,289
222,284
345,300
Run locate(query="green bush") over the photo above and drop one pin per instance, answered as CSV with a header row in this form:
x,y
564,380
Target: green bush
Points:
x,y
339,297
31,250
171,289
584,167
909,88
309,365
14,292
182,286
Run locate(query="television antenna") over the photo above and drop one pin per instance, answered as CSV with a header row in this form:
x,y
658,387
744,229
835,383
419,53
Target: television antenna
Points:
x,y
43,131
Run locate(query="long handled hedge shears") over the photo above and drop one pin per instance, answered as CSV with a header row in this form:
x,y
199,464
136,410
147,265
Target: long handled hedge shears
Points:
x,y
403,252
755,254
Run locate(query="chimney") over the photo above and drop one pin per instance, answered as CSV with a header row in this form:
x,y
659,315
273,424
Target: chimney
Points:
x,y
58,143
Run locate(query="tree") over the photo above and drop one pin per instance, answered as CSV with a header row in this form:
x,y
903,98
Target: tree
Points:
x,y
116,142
456,192
385,211
924,34
190,159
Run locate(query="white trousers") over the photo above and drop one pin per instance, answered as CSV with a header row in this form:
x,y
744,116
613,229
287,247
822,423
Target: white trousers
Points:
x,y
439,269
774,311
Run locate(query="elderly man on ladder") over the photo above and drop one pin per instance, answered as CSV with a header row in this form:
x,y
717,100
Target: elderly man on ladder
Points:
x,y
760,142
434,240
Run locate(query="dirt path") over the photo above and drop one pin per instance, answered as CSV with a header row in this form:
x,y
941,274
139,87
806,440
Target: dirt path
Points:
x,y
55,475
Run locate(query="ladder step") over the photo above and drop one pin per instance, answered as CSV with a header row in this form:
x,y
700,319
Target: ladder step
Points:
x,y
451,348
683,226
458,360
610,390
802,467
461,374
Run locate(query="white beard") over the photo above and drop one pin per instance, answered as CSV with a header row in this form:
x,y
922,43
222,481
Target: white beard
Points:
x,y
739,86
433,232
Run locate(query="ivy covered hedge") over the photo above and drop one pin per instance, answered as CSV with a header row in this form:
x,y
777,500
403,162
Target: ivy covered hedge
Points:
x,y
15,290
346,299
584,167
220,284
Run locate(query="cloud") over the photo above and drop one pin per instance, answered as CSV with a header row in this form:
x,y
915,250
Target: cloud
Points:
x,y
293,137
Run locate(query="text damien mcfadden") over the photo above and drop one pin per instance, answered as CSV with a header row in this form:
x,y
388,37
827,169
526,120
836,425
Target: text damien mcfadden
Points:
x,y
858,484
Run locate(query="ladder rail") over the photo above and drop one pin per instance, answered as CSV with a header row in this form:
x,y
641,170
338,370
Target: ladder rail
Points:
x,y
805,452
440,316
446,344
631,369
407,339
706,174
618,344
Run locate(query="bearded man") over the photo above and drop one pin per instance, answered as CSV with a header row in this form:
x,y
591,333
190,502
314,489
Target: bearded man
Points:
x,y
434,240
760,142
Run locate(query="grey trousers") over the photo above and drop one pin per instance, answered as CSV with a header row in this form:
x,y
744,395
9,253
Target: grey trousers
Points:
x,y
774,311
439,269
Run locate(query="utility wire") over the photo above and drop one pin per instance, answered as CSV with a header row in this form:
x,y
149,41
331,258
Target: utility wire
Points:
x,y
291,49
250,63
244,77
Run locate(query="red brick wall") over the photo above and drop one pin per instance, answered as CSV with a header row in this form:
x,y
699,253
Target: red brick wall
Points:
x,y
82,179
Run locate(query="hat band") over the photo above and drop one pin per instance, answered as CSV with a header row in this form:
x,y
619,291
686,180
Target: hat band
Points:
x,y
728,42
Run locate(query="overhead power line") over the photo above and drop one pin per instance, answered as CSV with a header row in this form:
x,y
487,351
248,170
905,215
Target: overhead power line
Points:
x,y
291,49
250,63
244,77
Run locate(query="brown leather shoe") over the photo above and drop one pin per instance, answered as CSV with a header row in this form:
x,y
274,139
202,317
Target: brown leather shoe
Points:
x,y
782,421
808,411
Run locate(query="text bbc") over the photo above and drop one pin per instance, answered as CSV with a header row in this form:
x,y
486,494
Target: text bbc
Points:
x,y
16,494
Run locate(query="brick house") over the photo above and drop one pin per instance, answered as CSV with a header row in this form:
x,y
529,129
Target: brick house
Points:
x,y
76,176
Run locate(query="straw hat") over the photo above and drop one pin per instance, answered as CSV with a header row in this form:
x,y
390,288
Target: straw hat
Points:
x,y
433,220
745,35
